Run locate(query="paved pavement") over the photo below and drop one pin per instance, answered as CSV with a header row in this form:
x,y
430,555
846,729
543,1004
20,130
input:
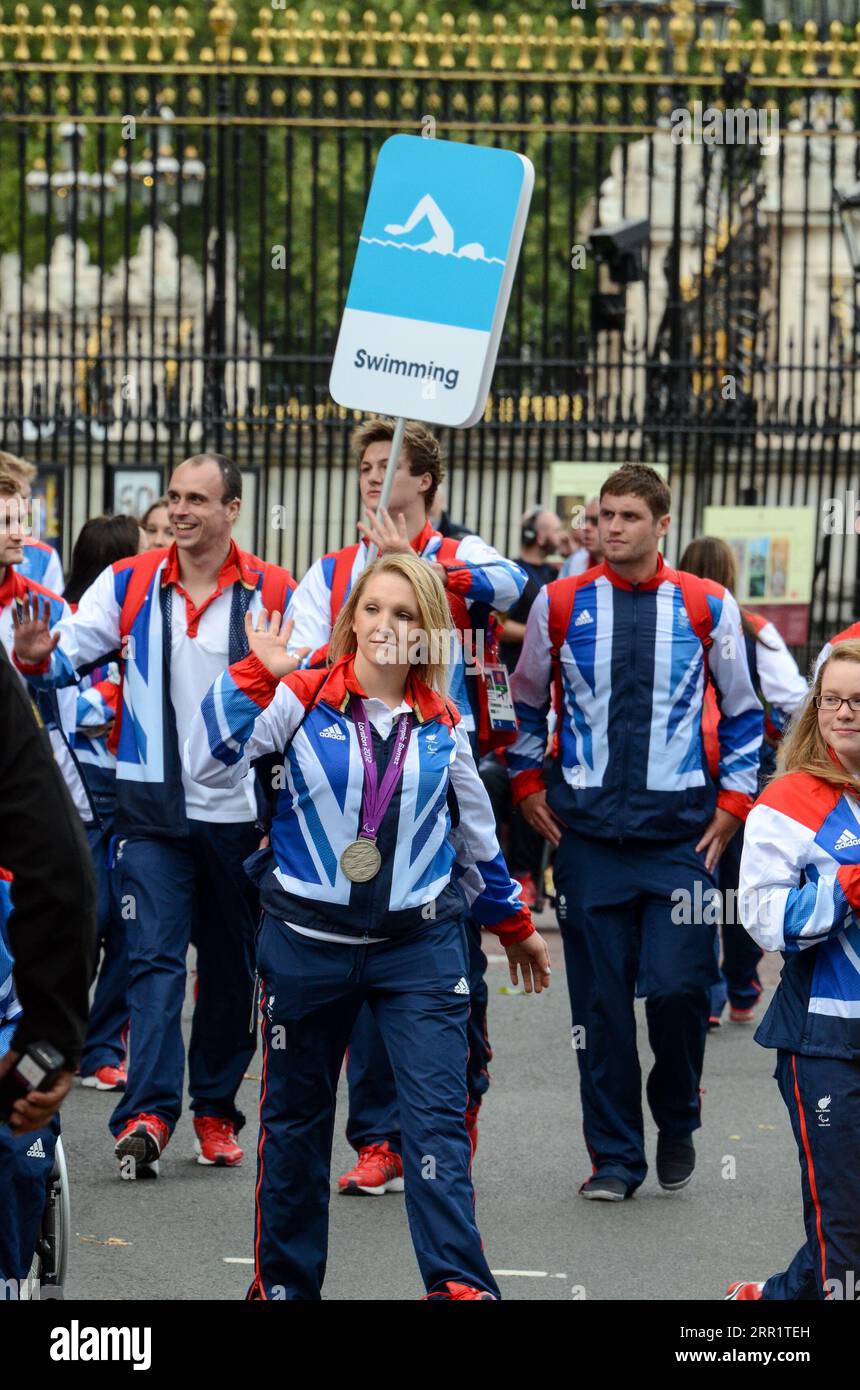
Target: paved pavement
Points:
x,y
187,1235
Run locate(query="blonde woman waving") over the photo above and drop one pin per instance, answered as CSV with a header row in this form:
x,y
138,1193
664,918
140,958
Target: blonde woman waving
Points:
x,y
382,841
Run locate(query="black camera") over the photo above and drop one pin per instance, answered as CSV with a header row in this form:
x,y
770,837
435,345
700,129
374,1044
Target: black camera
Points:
x,y
36,1070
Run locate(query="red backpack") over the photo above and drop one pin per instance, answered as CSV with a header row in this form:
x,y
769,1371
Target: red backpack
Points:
x,y
137,589
489,739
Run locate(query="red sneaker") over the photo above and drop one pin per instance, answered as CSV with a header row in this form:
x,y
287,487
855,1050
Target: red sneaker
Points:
x,y
215,1144
741,1015
458,1291
143,1139
529,887
378,1170
472,1125
742,1292
107,1079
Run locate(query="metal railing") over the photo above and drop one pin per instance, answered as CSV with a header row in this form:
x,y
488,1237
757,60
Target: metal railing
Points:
x,y
180,199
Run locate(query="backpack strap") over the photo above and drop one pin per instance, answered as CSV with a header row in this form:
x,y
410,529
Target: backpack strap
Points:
x,y
694,597
138,587
274,589
562,594
343,563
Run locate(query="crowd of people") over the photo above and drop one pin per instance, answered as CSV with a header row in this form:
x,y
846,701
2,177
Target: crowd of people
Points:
x,y
331,789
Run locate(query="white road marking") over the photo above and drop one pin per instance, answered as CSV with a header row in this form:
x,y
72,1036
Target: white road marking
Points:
x,y
236,1260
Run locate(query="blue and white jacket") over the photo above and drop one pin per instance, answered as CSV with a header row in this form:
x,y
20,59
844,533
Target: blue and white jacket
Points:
x,y
799,893
128,611
631,762
42,564
56,708
478,575
430,871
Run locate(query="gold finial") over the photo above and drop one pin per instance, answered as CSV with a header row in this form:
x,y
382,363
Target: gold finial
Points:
x,y
707,45
153,33
263,38
222,22
473,41
784,47
524,43
836,47
577,39
810,34
290,37
601,57
498,41
342,56
550,43
182,32
682,31
22,31
421,58
368,36
395,40
735,50
317,35
446,56
628,44
48,30
654,46
758,48
72,31
128,32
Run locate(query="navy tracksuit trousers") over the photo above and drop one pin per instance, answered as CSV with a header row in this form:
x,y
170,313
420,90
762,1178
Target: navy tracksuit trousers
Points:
x,y
313,992
373,1111
823,1099
174,890
26,1162
615,910
108,1022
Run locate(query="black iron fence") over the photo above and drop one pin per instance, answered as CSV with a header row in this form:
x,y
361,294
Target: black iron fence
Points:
x,y
178,218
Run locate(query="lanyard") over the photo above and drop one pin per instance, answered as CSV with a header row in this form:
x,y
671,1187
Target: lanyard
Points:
x,y
377,796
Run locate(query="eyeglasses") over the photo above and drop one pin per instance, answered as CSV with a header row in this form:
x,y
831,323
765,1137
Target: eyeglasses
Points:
x,y
833,704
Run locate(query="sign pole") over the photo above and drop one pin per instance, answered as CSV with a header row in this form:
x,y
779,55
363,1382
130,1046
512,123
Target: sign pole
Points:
x,y
390,468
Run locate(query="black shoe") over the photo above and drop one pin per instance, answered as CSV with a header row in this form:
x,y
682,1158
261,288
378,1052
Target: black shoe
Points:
x,y
676,1159
605,1190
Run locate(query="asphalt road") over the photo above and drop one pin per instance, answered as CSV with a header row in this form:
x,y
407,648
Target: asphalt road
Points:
x,y
188,1235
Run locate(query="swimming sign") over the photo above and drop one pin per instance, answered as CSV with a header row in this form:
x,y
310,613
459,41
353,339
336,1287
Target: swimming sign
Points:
x,y
432,278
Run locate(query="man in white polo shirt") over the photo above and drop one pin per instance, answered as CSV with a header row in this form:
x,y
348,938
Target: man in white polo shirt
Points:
x,y
176,618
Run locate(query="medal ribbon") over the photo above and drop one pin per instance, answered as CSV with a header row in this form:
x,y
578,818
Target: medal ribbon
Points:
x,y
377,797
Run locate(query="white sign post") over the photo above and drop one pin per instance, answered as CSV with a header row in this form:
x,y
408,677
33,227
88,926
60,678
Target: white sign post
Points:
x,y
430,287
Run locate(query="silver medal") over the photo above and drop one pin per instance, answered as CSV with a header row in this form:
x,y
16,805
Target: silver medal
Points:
x,y
361,861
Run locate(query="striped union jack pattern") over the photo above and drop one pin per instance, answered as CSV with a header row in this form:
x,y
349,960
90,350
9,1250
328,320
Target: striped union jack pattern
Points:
x,y
631,760
248,714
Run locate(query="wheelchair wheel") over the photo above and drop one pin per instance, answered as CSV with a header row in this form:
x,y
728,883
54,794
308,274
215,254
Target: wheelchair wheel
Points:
x,y
50,1262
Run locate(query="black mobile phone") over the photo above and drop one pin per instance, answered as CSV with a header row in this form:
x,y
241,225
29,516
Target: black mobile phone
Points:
x,y
36,1070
